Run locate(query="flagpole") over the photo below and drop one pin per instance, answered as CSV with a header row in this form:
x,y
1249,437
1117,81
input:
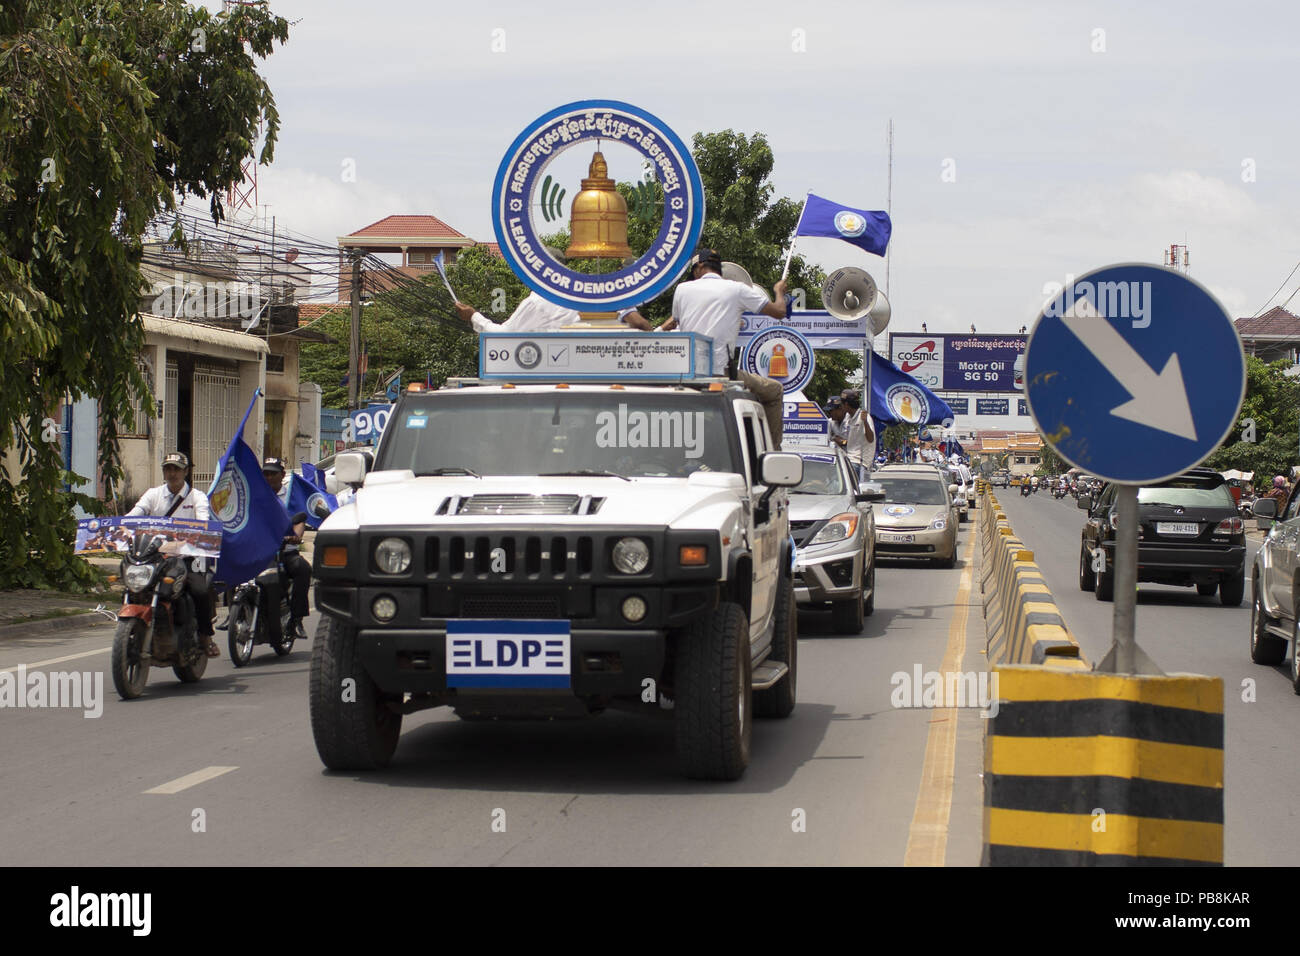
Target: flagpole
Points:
x,y
790,254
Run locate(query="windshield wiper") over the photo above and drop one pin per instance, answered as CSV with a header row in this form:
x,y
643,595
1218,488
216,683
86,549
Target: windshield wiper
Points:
x,y
583,472
452,470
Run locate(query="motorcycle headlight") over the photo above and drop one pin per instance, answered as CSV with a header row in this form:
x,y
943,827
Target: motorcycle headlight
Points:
x,y
393,555
939,523
138,576
839,528
631,555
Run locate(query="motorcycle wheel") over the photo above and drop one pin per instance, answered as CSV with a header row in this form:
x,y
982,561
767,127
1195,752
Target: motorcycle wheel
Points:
x,y
192,673
129,677
287,637
239,634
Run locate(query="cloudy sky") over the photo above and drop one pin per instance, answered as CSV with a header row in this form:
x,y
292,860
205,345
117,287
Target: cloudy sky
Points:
x,y
1031,140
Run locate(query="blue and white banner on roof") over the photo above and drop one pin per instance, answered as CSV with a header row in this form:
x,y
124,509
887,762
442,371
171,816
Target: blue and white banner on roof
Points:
x,y
252,518
516,193
818,326
867,229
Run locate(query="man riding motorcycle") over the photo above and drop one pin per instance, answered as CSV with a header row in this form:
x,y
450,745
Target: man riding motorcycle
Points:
x,y
176,499
298,570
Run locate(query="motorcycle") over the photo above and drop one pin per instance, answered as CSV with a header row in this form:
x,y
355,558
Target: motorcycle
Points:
x,y
1025,490
157,623
260,610
1059,492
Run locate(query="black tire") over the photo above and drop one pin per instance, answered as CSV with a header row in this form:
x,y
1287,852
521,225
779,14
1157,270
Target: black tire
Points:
x,y
129,677
1205,590
779,699
356,734
714,706
1232,590
870,606
193,673
1106,584
1265,648
240,638
1295,659
1087,577
287,637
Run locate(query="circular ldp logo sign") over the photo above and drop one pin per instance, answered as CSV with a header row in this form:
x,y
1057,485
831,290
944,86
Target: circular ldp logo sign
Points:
x,y
908,402
528,355
229,499
521,179
899,511
850,224
780,353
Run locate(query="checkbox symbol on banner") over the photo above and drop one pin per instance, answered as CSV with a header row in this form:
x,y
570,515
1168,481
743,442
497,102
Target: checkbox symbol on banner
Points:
x,y
560,355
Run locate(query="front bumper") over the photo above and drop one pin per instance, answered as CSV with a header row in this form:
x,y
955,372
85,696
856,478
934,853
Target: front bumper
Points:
x,y
831,575
927,542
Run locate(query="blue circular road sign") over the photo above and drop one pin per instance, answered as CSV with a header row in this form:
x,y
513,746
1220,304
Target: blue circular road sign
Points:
x,y
1134,373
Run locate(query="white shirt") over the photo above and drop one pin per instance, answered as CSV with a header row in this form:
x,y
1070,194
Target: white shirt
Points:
x,y
860,450
838,429
533,314
156,501
712,306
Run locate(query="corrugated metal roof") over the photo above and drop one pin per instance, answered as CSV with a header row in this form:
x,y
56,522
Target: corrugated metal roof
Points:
x,y
194,332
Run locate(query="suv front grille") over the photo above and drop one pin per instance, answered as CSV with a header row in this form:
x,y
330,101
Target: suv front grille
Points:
x,y
509,606
521,505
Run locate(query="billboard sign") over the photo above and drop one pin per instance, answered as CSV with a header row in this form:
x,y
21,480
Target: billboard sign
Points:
x,y
966,363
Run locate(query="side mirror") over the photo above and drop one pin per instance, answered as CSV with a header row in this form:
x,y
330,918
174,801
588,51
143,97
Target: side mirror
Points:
x,y
350,467
1264,508
781,469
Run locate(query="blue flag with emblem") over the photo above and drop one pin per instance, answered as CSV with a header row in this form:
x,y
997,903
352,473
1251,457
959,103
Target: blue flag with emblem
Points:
x,y
304,493
897,397
252,518
865,228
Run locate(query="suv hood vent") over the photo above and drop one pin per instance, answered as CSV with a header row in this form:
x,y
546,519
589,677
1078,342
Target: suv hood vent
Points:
x,y
521,505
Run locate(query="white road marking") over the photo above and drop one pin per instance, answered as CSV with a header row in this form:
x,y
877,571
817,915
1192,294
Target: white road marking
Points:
x,y
190,780
55,660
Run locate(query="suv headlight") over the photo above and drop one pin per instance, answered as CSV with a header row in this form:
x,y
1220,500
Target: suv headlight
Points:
x,y
939,523
631,555
138,576
839,528
393,555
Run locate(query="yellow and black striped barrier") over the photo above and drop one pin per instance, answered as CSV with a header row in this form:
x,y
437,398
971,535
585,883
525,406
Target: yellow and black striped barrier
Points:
x,y
1023,623
1086,769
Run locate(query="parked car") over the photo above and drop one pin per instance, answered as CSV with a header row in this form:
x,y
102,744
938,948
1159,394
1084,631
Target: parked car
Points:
x,y
1000,479
916,518
1189,533
835,539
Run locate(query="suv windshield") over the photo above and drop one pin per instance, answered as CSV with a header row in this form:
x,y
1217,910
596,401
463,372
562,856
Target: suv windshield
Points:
x,y
667,435
821,476
911,491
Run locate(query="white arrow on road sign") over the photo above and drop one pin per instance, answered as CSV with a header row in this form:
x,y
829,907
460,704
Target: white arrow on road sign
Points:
x,y
1158,401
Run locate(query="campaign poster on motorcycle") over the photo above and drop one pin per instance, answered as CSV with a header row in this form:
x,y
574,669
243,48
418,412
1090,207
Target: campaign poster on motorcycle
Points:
x,y
962,363
187,537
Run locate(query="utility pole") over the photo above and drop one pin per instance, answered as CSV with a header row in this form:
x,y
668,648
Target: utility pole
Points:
x,y
354,340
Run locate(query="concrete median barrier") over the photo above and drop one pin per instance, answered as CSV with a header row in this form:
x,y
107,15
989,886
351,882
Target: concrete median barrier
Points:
x,y
1103,770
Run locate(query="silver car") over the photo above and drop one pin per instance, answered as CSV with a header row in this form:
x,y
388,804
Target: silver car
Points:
x,y
834,535
917,518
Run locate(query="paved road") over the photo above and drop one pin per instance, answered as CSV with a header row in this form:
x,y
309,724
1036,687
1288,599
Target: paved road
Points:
x,y
1186,633
598,791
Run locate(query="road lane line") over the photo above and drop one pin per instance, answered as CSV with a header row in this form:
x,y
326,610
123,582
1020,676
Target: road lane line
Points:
x,y
927,838
190,780
55,660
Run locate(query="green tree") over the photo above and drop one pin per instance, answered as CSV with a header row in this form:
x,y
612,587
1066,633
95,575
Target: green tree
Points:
x,y
1265,438
110,114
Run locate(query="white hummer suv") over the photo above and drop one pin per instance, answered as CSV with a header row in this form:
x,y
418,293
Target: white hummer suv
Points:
x,y
544,550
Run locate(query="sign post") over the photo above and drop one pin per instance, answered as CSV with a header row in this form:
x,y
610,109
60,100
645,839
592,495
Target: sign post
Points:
x,y
1133,373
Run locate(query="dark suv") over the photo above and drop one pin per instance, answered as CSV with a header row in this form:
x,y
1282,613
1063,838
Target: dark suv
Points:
x,y
1190,532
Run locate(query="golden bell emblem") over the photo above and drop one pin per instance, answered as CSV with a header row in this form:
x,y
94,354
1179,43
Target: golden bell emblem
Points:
x,y
780,366
598,223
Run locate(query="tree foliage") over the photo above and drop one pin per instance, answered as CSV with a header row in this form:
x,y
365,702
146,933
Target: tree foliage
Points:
x,y
1265,438
110,114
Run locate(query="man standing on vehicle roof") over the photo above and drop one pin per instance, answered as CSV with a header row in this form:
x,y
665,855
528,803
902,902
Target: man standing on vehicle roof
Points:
x,y
535,314
860,439
837,427
714,306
